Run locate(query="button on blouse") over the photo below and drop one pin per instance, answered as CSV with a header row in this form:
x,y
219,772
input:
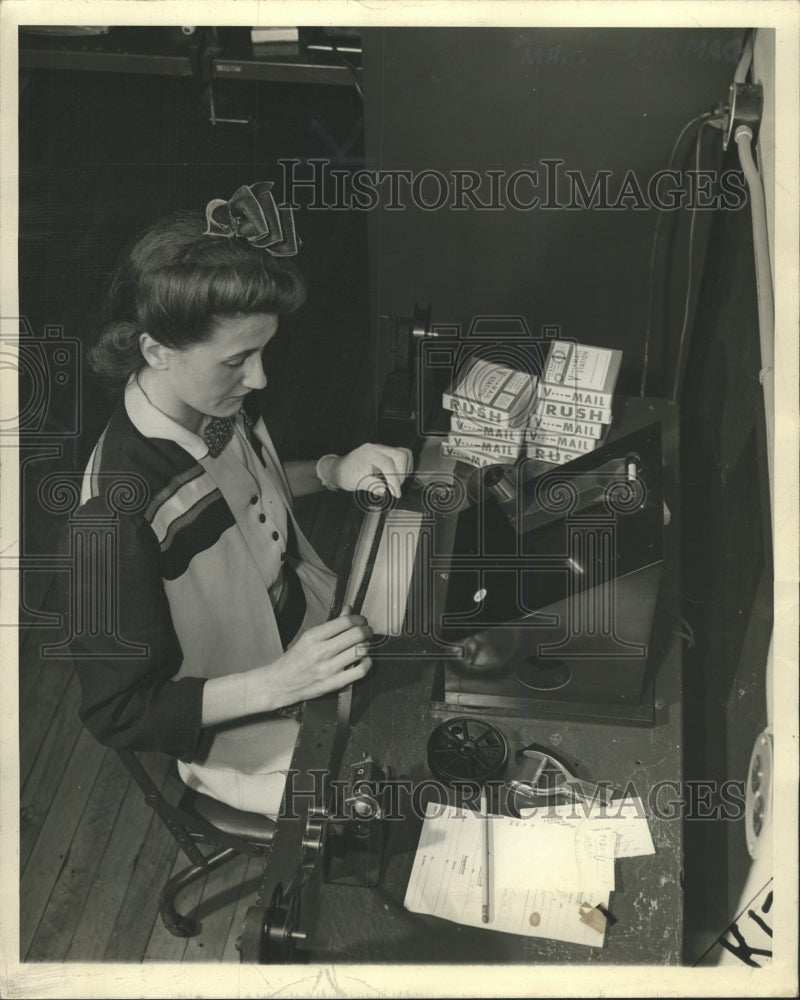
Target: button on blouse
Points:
x,y
256,505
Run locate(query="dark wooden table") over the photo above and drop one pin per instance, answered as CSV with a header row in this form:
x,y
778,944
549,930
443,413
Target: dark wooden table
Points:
x,y
393,718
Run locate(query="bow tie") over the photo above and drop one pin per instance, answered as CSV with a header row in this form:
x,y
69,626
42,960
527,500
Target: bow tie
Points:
x,y
217,433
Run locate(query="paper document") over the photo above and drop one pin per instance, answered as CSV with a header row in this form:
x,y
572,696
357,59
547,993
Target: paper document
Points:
x,y
624,818
546,877
553,853
550,868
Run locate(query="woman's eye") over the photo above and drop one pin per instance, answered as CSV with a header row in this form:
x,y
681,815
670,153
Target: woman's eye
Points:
x,y
235,364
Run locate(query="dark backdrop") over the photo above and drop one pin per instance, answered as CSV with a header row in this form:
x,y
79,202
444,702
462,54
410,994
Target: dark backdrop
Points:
x,y
504,99
103,155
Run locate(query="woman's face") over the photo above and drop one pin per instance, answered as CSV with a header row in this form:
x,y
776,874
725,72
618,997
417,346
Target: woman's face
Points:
x,y
214,376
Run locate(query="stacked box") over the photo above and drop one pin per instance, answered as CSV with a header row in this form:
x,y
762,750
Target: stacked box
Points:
x,y
572,407
491,406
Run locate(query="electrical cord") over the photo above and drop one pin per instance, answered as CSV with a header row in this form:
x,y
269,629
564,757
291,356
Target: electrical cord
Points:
x,y
764,292
745,59
704,118
696,600
352,68
685,631
687,300
685,636
739,76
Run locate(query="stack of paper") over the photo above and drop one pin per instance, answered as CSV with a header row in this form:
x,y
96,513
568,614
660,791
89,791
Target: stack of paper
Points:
x,y
550,868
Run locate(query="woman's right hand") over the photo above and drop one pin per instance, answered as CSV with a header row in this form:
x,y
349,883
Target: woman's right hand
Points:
x,y
325,658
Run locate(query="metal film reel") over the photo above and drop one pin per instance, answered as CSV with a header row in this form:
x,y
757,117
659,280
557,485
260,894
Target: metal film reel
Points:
x,y
271,935
466,750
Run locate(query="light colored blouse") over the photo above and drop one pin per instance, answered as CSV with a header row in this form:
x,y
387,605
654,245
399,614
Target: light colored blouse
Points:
x,y
224,528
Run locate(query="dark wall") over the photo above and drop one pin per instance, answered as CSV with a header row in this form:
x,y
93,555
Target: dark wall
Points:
x,y
505,99
103,155
726,567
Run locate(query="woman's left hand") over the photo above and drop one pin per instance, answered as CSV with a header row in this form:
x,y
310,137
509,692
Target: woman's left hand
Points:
x,y
370,467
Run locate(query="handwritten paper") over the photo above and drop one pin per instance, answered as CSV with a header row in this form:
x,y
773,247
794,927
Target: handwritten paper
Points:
x,y
526,896
550,868
624,818
553,853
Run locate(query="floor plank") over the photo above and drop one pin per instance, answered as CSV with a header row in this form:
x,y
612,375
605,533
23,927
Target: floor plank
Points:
x,y
248,892
97,919
74,882
163,946
54,843
139,911
216,911
46,775
53,705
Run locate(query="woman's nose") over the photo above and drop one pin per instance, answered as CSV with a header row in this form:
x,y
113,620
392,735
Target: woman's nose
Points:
x,y
254,377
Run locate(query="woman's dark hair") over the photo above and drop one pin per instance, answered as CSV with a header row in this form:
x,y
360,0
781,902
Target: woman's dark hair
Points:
x,y
175,281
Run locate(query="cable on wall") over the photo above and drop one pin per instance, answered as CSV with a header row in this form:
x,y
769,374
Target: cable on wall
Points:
x,y
688,297
766,306
701,119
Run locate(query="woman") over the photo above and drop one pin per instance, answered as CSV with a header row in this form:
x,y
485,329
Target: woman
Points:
x,y
218,586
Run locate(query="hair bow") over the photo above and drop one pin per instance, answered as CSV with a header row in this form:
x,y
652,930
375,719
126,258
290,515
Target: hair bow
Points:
x,y
253,214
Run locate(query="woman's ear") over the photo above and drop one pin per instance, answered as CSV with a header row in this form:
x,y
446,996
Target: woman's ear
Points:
x,y
155,354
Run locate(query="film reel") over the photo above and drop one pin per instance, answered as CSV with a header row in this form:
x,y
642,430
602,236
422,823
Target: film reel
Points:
x,y
466,749
271,935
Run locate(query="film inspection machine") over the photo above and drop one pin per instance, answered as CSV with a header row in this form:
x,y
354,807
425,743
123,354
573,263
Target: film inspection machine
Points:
x,y
520,611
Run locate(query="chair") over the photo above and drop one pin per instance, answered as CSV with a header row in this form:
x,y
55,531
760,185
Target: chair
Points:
x,y
198,820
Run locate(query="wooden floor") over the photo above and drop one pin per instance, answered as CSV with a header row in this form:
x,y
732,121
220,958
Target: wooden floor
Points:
x,y
93,856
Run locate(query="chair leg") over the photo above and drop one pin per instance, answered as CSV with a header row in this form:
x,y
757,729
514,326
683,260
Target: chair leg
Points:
x,y
174,922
